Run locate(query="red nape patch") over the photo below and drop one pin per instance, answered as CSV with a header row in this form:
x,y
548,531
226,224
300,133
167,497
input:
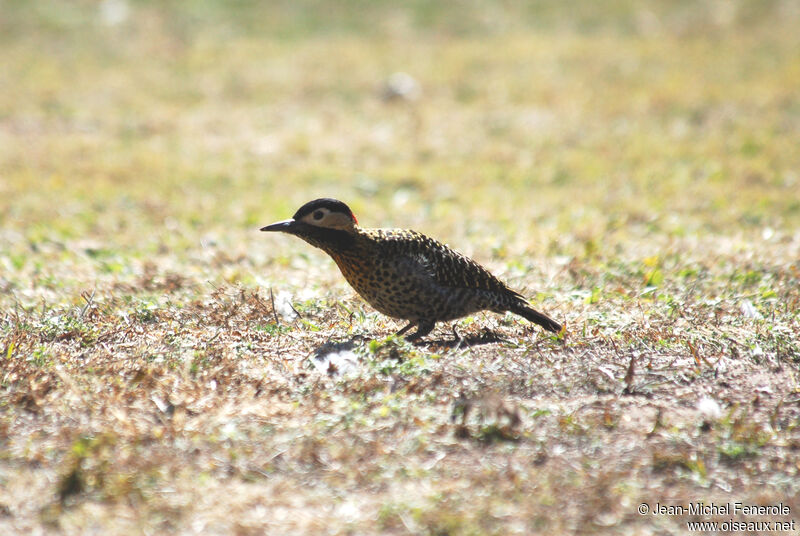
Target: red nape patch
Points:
x,y
354,218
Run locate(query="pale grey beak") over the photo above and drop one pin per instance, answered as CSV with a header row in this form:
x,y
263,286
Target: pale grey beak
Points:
x,y
284,225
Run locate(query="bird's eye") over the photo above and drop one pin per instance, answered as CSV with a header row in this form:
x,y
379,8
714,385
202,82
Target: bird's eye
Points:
x,y
318,215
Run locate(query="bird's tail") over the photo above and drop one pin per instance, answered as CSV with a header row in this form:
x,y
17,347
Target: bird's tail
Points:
x,y
529,313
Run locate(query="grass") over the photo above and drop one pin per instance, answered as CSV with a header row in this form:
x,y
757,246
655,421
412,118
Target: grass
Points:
x,y
631,169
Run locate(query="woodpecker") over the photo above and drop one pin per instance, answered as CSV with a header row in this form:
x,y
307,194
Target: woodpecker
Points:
x,y
404,274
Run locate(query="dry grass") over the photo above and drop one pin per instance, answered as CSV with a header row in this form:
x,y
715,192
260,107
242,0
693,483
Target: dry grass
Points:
x,y
634,171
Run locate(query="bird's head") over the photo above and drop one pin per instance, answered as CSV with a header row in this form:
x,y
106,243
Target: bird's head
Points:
x,y
324,223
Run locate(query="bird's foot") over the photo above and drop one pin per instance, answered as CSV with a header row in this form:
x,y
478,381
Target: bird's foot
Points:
x,y
405,329
423,328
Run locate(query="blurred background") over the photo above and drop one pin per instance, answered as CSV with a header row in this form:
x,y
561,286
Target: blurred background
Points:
x,y
513,130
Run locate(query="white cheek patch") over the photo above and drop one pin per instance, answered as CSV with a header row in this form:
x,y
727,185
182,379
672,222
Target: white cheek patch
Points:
x,y
337,220
330,220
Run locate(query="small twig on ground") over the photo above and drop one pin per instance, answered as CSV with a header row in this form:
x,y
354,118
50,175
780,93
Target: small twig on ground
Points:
x,y
657,425
89,300
212,339
274,312
629,375
295,310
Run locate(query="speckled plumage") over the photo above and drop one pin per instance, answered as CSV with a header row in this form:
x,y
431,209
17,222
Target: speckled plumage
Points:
x,y
405,274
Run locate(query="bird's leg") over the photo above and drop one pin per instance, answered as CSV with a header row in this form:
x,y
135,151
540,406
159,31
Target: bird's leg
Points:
x,y
457,336
458,339
405,329
423,328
